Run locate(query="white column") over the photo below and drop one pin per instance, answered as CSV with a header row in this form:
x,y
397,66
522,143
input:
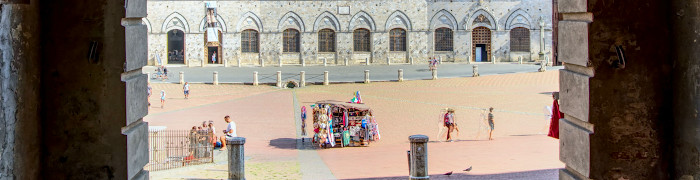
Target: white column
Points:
x,y
216,78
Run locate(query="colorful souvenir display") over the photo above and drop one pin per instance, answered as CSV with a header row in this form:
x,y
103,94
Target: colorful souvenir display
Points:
x,y
340,124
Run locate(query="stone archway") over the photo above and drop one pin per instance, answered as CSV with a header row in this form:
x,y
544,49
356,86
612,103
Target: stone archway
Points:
x,y
481,44
176,47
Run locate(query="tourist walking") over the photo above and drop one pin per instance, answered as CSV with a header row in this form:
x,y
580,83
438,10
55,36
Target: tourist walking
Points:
x,y
449,119
556,115
162,98
491,123
186,89
229,133
303,122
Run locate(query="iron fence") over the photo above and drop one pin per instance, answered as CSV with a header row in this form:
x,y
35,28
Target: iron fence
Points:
x,y
170,149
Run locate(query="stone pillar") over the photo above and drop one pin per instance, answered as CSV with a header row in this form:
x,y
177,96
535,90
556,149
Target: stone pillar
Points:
x,y
367,61
543,66
239,61
255,78
182,77
225,63
325,78
216,78
236,158
346,61
475,71
400,75
520,59
302,79
419,157
410,59
325,61
279,79
469,59
388,60
303,62
262,62
493,59
366,76
542,24
435,74
280,61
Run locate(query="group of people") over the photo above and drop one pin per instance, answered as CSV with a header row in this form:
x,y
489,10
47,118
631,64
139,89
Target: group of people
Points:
x,y
451,125
161,73
207,134
176,55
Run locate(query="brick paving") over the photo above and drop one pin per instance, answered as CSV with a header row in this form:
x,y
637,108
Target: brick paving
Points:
x,y
265,115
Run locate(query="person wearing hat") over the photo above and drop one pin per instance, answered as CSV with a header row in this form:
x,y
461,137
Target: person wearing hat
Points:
x,y
449,123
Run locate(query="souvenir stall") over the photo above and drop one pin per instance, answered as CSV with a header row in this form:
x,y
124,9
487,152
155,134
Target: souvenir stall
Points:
x,y
341,124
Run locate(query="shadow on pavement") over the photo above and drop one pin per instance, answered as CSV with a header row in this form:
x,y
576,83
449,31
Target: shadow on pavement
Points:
x,y
284,143
545,174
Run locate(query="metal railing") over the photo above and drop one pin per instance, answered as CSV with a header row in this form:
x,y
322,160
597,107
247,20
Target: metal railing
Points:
x,y
170,149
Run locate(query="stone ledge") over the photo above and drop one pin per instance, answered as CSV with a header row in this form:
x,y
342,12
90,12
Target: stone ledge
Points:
x,y
136,46
136,100
573,42
566,6
137,149
574,147
574,93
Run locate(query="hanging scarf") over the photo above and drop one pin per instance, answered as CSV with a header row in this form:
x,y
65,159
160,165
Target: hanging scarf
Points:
x,y
554,123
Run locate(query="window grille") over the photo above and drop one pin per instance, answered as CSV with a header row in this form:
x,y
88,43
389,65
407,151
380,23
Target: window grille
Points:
x,y
520,39
361,40
326,40
291,40
249,41
398,40
443,39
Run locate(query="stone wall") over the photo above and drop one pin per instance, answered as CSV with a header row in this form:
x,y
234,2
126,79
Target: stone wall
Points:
x,y
19,91
419,17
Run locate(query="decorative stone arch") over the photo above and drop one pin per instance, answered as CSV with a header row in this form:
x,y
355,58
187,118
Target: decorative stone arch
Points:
x,y
519,18
175,21
222,28
474,20
362,20
326,20
443,19
146,22
398,20
291,20
249,21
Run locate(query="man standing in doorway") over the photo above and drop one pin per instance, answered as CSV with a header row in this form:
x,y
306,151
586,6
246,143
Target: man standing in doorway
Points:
x,y
229,133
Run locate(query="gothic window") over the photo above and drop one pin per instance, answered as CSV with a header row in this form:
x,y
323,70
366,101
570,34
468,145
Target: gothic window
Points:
x,y
397,40
291,40
520,39
326,40
443,39
361,40
249,41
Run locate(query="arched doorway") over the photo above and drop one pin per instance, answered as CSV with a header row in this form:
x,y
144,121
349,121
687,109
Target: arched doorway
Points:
x,y
481,44
213,47
176,47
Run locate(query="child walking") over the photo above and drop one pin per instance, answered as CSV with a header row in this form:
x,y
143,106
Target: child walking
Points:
x,y
162,98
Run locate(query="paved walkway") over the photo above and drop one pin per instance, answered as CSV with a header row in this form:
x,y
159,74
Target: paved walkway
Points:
x,y
268,118
337,73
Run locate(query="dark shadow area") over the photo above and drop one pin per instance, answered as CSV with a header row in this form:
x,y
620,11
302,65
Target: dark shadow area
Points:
x,y
284,143
545,174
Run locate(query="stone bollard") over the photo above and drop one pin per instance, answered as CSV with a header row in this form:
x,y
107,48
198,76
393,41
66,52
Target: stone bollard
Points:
x,y
148,78
388,61
236,158
346,61
262,62
255,78
216,78
302,79
435,74
182,77
279,79
475,71
520,59
367,61
543,65
303,62
325,78
239,62
469,59
411,60
419,157
280,61
325,62
366,76
493,59
400,75
225,63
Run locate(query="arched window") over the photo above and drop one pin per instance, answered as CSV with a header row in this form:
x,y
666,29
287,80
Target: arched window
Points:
x,y
443,39
361,40
249,41
326,40
397,40
290,40
520,39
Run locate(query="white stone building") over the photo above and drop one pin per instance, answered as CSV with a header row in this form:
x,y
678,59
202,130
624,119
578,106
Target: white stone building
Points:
x,y
353,32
